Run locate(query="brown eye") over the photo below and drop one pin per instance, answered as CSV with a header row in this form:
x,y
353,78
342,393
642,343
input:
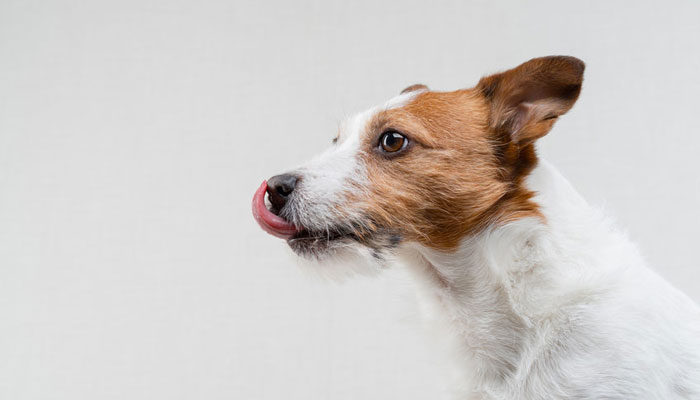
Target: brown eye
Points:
x,y
392,141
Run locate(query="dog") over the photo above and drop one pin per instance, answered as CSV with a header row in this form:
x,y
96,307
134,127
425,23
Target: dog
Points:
x,y
544,298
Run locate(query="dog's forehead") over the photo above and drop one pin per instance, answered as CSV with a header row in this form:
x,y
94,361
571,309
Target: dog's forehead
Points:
x,y
352,129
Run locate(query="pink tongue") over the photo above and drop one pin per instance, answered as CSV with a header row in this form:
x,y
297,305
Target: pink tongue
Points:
x,y
271,223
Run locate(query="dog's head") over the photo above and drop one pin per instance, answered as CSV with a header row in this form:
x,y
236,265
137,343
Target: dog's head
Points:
x,y
426,167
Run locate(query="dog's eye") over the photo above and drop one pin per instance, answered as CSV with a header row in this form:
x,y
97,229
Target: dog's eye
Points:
x,y
392,141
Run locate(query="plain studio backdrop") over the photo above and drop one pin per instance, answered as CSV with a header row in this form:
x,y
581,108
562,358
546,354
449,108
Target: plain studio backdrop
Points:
x,y
134,133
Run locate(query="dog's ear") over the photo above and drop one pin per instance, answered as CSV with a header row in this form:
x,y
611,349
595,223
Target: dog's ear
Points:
x,y
417,86
526,100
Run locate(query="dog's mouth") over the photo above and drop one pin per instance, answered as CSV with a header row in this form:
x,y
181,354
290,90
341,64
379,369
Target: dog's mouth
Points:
x,y
327,236
303,240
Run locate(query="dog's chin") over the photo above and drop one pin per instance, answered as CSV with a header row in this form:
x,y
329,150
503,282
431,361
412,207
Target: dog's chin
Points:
x,y
320,246
337,259
338,254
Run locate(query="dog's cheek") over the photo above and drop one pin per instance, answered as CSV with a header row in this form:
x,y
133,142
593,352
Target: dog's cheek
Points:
x,y
392,201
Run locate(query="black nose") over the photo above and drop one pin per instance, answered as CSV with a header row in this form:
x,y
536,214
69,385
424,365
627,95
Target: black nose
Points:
x,y
279,187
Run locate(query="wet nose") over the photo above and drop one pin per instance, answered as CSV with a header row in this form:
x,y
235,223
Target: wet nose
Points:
x,y
279,188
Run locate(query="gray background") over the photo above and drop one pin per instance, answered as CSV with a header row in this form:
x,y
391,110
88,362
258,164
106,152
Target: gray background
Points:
x,y
133,134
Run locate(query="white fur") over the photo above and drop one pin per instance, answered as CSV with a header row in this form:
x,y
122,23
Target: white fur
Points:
x,y
561,310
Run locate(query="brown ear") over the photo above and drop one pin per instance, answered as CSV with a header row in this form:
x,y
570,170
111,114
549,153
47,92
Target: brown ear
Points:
x,y
528,99
417,86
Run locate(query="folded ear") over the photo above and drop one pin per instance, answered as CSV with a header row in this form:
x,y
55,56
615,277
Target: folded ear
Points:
x,y
527,100
417,86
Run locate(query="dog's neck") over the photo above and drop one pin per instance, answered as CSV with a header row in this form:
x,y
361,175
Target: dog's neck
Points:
x,y
504,289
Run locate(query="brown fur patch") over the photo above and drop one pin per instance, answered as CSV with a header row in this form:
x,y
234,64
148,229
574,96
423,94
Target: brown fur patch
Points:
x,y
448,183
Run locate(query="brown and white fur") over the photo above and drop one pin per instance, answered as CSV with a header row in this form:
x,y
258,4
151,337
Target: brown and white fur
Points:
x,y
545,299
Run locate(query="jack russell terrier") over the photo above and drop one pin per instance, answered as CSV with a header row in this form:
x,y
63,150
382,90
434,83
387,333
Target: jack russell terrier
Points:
x,y
544,297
